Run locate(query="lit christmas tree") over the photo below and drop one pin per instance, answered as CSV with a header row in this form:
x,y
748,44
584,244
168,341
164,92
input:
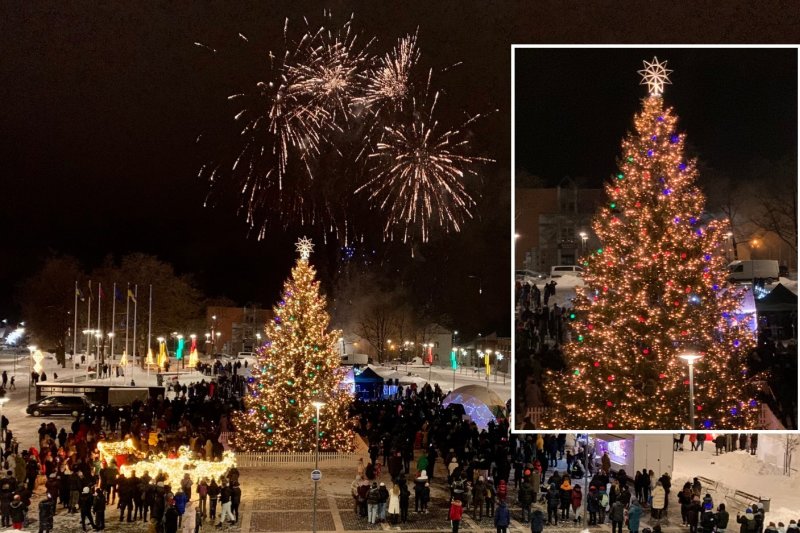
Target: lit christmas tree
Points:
x,y
297,366
654,291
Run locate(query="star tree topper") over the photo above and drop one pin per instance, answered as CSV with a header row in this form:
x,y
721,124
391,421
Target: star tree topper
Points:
x,y
304,247
655,76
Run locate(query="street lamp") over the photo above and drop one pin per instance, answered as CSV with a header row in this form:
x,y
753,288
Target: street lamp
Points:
x,y
30,374
317,406
584,238
691,358
499,361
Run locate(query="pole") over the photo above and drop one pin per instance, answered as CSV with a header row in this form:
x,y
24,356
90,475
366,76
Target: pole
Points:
x,y
691,394
149,323
127,313
74,334
135,298
99,301
316,467
88,328
113,316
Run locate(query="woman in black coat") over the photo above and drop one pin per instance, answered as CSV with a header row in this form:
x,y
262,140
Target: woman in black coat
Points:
x,y
47,510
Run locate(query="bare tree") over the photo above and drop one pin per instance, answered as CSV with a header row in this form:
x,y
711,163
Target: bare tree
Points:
x,y
377,324
776,199
791,444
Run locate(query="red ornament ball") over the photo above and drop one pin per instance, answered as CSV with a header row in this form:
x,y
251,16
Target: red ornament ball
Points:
x,y
699,407
611,377
685,381
662,376
609,403
611,425
683,255
646,351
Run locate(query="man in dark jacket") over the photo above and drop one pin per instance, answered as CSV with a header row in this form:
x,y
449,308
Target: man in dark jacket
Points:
x,y
125,491
6,495
236,500
617,516
85,502
108,481
99,509
47,510
171,520
722,517
553,500
525,497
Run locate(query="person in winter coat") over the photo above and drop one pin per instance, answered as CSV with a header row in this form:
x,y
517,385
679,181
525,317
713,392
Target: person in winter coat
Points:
x,y
202,493
502,518
125,489
373,499
47,510
171,520
707,521
85,501
592,505
565,494
537,520
722,517
659,499
405,497
180,505
553,499
685,500
693,514
617,516
394,504
225,501
576,501
99,506
213,496
18,512
747,521
236,500
186,485
602,499
525,497
425,497
455,513
189,523
634,515
478,497
383,501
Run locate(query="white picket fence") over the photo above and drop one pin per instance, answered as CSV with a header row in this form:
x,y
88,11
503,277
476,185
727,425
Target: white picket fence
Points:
x,y
258,459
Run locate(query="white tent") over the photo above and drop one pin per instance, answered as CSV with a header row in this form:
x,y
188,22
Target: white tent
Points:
x,y
479,403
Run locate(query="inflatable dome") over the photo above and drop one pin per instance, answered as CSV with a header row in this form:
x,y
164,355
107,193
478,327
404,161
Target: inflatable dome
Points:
x,y
479,403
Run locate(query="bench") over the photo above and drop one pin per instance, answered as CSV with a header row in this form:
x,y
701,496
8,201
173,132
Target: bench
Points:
x,y
708,483
745,499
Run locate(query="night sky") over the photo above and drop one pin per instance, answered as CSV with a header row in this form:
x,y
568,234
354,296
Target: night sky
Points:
x,y
102,103
574,106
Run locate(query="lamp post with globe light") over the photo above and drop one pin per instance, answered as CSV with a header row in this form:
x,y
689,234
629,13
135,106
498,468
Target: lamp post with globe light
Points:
x,y
317,406
690,359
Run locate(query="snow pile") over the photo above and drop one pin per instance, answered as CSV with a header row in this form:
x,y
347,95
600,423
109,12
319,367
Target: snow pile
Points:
x,y
741,471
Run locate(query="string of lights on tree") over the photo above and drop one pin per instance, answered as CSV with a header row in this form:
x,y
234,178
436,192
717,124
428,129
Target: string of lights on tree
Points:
x,y
654,290
297,366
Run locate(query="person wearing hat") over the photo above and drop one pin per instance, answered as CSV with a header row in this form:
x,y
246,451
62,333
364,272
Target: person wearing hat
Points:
x,y
793,527
47,510
455,513
85,502
18,512
99,506
383,501
747,521
213,496
525,497
634,516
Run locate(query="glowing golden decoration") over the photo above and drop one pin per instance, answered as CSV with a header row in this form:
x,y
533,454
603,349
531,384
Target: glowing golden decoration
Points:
x,y
38,357
193,359
149,359
184,463
162,355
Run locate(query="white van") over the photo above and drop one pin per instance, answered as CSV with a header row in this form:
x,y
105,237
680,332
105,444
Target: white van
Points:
x,y
766,269
568,270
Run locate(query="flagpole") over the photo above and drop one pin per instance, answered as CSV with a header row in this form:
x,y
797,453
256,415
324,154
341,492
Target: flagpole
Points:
x,y
149,323
127,311
113,316
135,298
99,339
75,333
88,329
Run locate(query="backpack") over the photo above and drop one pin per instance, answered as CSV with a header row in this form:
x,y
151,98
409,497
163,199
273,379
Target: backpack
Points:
x,y
604,500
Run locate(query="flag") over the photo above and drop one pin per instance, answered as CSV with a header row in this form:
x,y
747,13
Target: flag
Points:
x,y
79,294
117,294
131,296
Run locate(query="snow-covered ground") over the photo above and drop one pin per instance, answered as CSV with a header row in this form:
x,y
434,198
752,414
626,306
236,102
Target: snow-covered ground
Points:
x,y
463,376
741,471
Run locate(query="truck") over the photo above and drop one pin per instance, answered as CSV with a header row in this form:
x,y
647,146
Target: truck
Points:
x,y
766,269
121,396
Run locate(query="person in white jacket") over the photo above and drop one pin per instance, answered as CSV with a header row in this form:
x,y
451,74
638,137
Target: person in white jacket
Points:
x,y
189,522
394,504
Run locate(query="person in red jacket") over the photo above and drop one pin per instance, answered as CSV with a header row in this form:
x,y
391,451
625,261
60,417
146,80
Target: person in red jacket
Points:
x,y
456,511
502,490
577,502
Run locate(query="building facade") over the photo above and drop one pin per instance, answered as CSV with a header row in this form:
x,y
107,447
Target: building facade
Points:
x,y
232,330
553,225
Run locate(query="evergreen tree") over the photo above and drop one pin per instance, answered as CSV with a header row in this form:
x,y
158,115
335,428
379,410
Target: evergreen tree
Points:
x,y
655,290
297,366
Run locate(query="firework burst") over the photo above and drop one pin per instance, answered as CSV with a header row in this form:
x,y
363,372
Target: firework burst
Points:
x,y
329,116
418,177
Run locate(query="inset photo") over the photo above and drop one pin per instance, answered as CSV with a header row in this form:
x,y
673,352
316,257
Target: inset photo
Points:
x,y
655,238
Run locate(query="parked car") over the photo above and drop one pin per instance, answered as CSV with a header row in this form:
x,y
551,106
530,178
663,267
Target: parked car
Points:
x,y
529,275
569,270
60,404
242,355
